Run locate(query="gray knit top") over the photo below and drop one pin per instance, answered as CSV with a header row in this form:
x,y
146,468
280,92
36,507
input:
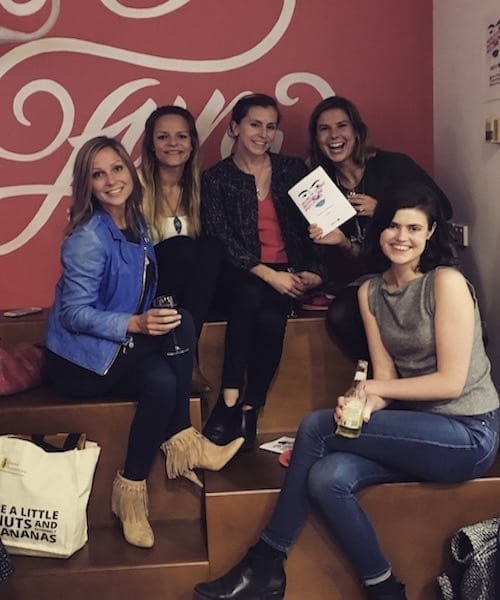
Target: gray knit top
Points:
x,y
406,322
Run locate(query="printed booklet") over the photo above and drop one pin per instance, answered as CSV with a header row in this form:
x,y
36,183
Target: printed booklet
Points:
x,y
320,201
279,445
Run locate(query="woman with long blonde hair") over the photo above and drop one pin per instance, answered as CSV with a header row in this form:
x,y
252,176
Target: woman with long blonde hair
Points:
x,y
188,260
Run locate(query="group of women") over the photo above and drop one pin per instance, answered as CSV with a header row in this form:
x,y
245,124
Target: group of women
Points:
x,y
431,408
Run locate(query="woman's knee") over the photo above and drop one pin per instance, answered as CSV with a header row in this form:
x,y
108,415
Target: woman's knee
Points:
x,y
343,311
210,248
186,327
331,475
311,428
246,298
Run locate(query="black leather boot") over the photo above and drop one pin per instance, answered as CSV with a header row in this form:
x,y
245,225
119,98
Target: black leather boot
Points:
x,y
224,423
249,428
390,589
254,577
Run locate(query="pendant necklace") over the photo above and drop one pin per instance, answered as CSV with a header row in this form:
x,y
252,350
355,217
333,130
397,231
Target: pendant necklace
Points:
x,y
177,221
359,233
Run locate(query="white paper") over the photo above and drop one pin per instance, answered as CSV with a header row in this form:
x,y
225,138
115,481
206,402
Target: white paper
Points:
x,y
279,445
320,201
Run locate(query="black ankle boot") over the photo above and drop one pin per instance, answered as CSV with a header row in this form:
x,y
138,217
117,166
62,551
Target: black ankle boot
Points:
x,y
249,428
254,577
224,423
390,589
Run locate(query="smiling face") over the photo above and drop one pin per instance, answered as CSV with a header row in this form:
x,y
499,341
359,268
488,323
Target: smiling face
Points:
x,y
111,183
256,131
404,240
172,141
335,135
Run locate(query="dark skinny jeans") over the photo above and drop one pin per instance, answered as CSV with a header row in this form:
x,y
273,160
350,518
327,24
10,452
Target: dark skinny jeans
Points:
x,y
189,269
161,384
327,470
344,323
254,334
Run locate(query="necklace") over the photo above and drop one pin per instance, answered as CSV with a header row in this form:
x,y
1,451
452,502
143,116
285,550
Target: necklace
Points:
x,y
177,221
261,176
359,228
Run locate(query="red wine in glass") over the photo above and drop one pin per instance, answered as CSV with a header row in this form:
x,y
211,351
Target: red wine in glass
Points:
x,y
168,301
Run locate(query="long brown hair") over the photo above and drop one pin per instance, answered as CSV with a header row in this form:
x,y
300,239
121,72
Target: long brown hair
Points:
x,y
363,149
84,202
150,174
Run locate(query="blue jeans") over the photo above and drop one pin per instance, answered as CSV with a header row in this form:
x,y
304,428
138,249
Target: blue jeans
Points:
x,y
395,445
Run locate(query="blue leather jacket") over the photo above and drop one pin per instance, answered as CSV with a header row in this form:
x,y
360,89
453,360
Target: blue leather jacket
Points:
x,y
101,286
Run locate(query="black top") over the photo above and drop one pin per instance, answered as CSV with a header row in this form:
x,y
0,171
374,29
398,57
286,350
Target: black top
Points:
x,y
229,211
383,171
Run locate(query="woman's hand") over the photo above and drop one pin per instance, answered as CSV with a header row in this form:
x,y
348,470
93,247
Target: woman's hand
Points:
x,y
334,238
155,321
289,284
309,280
365,205
373,404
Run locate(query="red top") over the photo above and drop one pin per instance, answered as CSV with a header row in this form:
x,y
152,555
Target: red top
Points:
x,y
272,244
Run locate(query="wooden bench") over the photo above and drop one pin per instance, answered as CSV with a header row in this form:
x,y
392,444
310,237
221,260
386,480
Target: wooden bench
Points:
x,y
201,533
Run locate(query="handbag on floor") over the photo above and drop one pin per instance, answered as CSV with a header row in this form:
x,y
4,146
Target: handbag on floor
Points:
x,y
21,368
45,484
6,566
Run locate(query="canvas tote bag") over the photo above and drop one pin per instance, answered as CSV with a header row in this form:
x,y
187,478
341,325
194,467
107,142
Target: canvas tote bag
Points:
x,y
44,493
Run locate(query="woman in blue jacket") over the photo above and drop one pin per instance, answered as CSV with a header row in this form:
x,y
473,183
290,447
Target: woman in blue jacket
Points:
x,y
104,338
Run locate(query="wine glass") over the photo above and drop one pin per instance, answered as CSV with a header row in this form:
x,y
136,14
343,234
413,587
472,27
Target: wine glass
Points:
x,y
169,301
292,313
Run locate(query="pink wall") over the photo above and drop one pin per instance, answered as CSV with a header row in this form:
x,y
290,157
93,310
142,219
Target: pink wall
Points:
x,y
106,65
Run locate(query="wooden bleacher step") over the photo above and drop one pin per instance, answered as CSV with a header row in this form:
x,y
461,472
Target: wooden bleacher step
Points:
x,y
107,567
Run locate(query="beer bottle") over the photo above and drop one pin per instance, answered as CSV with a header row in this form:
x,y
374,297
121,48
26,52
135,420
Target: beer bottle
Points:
x,y
352,413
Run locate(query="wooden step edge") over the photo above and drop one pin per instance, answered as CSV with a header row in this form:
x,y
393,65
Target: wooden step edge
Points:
x,y
178,542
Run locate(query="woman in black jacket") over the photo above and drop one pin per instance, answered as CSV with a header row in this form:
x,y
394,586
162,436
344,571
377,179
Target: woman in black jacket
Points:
x,y
269,261
338,141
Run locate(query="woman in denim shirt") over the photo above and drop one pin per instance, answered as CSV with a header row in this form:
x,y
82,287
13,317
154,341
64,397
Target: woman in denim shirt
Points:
x,y
103,337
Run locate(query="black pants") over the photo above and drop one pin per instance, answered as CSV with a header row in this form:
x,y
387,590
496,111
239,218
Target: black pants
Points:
x,y
254,335
189,269
161,384
344,322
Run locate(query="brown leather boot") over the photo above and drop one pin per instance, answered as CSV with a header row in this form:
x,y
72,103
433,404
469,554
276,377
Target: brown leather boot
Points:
x,y
199,383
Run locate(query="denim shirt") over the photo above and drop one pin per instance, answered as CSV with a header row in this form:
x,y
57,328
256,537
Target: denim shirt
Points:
x,y
99,290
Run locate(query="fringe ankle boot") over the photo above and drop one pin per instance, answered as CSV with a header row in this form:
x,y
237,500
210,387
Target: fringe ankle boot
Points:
x,y
189,449
129,502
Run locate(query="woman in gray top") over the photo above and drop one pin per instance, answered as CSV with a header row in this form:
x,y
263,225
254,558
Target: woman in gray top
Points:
x,y
430,411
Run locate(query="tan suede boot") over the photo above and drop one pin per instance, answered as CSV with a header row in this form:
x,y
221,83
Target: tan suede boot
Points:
x,y
189,449
129,502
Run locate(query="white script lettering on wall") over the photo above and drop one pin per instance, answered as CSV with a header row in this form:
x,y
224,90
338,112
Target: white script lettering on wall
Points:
x,y
28,8
65,89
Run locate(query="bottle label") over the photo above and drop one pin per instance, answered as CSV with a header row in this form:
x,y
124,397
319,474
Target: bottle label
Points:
x,y
352,414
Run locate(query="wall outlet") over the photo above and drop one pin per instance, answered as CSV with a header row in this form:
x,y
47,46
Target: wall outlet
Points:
x,y
460,233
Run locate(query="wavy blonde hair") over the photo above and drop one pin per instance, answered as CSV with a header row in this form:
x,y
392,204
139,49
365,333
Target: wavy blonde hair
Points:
x,y
150,175
84,202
